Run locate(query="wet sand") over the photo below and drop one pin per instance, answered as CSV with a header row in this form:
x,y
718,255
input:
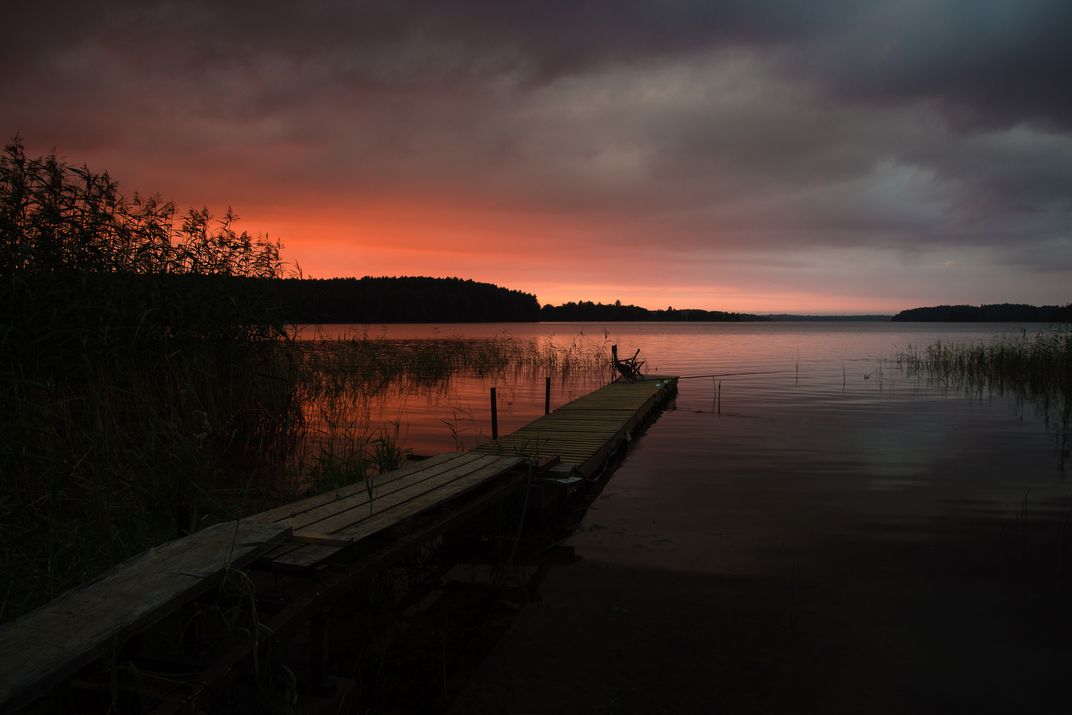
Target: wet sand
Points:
x,y
905,556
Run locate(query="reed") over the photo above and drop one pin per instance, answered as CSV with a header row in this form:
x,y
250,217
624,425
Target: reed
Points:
x,y
145,392
365,365
1038,367
134,377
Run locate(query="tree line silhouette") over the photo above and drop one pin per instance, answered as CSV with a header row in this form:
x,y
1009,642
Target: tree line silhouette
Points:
x,y
994,313
399,300
589,311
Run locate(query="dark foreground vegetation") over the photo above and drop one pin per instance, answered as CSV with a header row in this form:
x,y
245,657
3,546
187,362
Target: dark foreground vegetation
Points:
x,y
125,391
996,313
150,385
400,300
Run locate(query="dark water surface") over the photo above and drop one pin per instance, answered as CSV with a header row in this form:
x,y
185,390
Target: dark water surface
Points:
x,y
832,537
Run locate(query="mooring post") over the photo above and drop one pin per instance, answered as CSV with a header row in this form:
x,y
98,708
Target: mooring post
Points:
x,y
547,396
494,416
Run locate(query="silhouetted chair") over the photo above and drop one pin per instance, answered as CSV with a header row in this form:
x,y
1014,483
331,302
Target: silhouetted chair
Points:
x,y
628,368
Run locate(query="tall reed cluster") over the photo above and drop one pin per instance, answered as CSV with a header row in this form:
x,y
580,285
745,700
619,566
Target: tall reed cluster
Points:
x,y
340,379
1038,367
132,373
370,365
140,379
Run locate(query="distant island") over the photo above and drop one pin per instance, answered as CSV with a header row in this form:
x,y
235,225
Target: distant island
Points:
x,y
617,312
456,300
447,300
995,313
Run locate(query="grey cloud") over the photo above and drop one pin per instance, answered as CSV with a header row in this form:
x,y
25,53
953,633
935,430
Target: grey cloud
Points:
x,y
786,124
987,62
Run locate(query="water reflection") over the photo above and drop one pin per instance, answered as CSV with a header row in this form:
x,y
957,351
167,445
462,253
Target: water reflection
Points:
x,y
834,535
841,538
824,367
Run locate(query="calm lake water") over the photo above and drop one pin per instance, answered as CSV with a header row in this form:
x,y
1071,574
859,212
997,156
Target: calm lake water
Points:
x,y
811,370
830,536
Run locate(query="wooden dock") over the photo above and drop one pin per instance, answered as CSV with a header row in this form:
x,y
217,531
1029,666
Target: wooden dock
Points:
x,y
49,644
585,433
335,540
322,525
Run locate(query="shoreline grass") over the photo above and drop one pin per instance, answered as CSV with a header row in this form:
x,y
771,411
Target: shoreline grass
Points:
x,y
1038,368
148,387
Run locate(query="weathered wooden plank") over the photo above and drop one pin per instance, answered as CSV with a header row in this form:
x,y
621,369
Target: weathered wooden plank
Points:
x,y
41,648
426,501
569,438
555,439
305,556
565,430
293,509
361,499
584,431
280,550
390,501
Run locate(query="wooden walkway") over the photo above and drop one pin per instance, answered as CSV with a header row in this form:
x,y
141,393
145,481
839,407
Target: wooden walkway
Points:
x,y
584,433
49,645
326,523
44,647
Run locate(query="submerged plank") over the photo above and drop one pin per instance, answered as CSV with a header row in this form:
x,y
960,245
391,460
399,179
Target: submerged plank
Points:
x,y
41,648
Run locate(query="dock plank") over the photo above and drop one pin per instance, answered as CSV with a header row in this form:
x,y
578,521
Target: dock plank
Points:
x,y
391,483
585,431
295,509
47,645
346,517
304,556
414,504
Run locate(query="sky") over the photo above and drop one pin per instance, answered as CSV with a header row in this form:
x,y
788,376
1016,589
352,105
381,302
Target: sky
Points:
x,y
840,156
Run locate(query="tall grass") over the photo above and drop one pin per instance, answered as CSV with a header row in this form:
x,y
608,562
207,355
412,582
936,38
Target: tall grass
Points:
x,y
145,392
1037,367
133,375
340,380
369,365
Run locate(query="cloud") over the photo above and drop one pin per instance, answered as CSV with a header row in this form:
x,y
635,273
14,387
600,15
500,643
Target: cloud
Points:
x,y
711,129
984,63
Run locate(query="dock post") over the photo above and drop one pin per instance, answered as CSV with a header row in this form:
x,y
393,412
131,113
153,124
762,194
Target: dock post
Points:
x,y
547,396
494,416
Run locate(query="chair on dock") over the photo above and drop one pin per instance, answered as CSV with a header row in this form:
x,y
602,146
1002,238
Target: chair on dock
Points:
x,y
629,368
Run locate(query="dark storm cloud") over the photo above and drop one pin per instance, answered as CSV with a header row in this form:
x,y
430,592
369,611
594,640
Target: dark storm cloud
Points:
x,y
546,39
786,124
987,62
990,60
984,62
